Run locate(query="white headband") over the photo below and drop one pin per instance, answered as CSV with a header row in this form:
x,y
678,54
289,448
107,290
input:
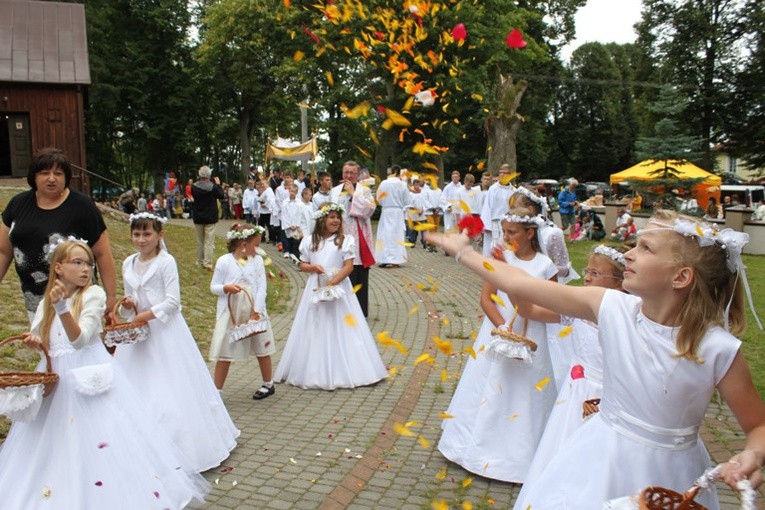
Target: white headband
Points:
x,y
513,218
244,234
539,200
148,216
611,253
730,241
58,242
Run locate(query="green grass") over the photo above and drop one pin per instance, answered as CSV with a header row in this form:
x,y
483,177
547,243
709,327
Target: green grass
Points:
x,y
753,345
198,303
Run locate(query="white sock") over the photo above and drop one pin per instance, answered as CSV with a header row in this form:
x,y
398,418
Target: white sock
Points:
x,y
270,384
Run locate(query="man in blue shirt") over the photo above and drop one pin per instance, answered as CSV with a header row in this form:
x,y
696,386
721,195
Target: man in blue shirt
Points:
x,y
566,203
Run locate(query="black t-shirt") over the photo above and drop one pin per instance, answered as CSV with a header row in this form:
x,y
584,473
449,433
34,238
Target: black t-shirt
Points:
x,y
33,229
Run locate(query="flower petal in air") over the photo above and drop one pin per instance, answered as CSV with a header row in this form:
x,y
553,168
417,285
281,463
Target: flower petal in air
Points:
x,y
469,350
497,300
445,416
565,331
541,384
403,430
424,357
488,266
357,287
423,442
350,320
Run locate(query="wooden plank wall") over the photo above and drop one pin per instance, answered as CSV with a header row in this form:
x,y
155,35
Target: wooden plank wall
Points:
x,y
55,116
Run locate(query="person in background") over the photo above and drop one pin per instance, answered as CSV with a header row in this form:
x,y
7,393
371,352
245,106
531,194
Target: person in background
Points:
x,y
567,202
322,195
206,194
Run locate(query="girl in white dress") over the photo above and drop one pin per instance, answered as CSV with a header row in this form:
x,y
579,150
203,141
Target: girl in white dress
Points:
x,y
330,345
665,350
92,445
167,369
242,270
605,268
553,244
501,405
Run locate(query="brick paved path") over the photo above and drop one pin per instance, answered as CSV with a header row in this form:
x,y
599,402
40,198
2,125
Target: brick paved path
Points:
x,y
309,449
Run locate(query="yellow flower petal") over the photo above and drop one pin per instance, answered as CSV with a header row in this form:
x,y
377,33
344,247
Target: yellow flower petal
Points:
x,y
444,375
423,442
466,482
445,321
404,243
467,505
424,357
402,430
298,56
413,310
505,179
513,416
541,384
497,300
439,505
330,79
441,474
420,227
444,346
488,266
350,320
445,416
357,287
565,331
465,207
267,262
473,335
470,351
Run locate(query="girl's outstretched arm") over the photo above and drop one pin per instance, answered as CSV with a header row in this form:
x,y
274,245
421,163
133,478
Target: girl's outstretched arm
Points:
x,y
582,302
741,396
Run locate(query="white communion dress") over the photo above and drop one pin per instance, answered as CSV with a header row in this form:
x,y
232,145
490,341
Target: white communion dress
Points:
x,y
647,430
330,345
584,381
93,444
501,405
168,370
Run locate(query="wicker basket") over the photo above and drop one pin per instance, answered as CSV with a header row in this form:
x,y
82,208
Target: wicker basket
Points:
x,y
248,328
505,343
19,379
660,498
590,407
125,333
326,293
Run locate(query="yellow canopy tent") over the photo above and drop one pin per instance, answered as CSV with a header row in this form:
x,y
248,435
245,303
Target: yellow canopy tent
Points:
x,y
649,170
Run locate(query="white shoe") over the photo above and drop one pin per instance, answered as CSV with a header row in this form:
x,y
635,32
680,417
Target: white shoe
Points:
x,y
286,255
294,259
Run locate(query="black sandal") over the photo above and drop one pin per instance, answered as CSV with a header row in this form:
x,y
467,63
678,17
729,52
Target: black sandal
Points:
x,y
264,392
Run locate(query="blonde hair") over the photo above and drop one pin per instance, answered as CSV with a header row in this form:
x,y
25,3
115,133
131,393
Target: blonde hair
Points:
x,y
61,254
713,287
617,269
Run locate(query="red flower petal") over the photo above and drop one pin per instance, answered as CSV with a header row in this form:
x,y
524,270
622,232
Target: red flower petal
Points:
x,y
99,483
459,32
577,372
472,224
515,39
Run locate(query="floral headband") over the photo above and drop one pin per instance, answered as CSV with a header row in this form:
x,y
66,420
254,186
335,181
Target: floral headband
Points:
x,y
244,234
537,220
148,216
58,242
729,240
611,253
533,197
328,208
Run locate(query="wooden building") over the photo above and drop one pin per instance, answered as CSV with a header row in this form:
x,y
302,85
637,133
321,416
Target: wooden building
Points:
x,y
43,78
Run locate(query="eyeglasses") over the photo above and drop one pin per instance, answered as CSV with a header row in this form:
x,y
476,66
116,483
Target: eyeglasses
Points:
x,y
80,264
597,274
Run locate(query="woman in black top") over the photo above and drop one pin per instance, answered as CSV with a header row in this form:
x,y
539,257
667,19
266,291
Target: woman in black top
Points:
x,y
38,217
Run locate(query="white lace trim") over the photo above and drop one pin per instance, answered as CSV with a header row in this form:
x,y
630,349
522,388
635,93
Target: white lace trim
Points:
x,y
21,403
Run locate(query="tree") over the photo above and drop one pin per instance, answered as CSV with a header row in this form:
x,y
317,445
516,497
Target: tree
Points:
x,y
668,143
745,111
142,96
695,45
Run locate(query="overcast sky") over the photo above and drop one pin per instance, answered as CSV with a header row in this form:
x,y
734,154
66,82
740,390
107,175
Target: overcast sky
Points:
x,y
605,21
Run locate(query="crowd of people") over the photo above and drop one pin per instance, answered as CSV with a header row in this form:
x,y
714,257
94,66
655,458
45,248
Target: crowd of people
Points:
x,y
567,382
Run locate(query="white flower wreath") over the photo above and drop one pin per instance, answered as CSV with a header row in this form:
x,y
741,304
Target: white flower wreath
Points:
x,y
611,253
147,215
328,208
539,200
58,242
244,234
537,220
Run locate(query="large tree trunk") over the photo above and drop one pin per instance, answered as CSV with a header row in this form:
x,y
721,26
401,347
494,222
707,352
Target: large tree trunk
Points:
x,y
503,124
386,151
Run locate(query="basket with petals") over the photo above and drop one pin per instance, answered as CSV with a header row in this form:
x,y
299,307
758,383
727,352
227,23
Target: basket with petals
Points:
x,y
505,343
660,498
245,322
21,393
125,333
326,293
